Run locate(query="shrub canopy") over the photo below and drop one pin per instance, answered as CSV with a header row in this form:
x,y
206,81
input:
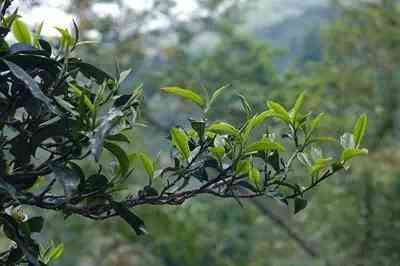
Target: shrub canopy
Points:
x,y
57,111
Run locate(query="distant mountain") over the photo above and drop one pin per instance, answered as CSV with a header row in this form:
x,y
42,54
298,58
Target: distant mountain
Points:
x,y
292,33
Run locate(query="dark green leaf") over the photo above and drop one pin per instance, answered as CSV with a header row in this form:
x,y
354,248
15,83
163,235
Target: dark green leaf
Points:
x,y
29,82
96,182
67,177
132,219
35,224
299,204
15,255
118,137
90,71
45,46
121,156
199,127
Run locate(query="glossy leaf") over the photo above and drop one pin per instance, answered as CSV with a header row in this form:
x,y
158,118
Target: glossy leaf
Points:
x,y
30,83
347,141
108,122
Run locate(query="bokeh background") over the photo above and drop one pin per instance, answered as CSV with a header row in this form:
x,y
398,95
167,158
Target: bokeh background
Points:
x,y
346,54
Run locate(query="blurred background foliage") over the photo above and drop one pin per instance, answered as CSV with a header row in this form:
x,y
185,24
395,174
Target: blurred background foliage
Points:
x,y
346,54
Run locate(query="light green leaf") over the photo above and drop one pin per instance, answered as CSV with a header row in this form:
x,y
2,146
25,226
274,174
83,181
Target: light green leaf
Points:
x,y
242,167
297,106
245,105
314,124
185,94
66,39
215,95
279,111
54,253
319,165
350,153
265,145
21,31
359,129
36,36
78,92
121,156
180,141
255,121
223,128
218,152
148,164
255,177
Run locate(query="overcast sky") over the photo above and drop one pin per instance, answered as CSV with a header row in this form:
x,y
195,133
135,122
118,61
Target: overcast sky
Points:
x,y
53,14
267,12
